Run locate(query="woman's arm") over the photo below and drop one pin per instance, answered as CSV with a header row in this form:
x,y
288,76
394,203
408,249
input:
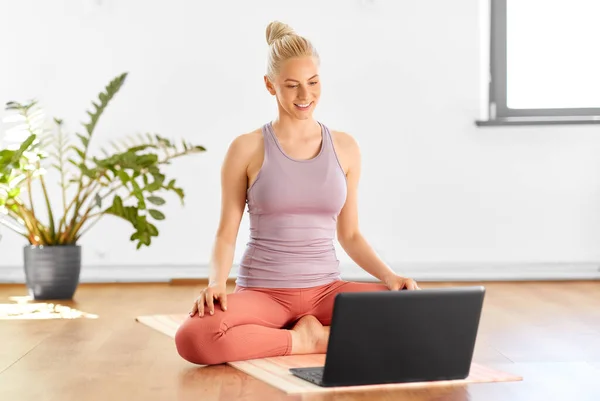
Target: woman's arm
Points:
x,y
348,232
233,200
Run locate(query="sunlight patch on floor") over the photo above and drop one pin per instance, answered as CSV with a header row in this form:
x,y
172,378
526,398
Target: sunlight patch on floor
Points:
x,y
27,308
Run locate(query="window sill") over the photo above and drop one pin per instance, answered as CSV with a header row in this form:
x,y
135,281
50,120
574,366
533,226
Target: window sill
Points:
x,y
539,120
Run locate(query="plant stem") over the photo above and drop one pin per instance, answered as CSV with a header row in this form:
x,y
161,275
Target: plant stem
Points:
x,y
30,195
90,225
10,227
35,226
50,214
61,143
173,156
112,190
77,227
63,221
30,222
17,221
74,226
73,232
78,204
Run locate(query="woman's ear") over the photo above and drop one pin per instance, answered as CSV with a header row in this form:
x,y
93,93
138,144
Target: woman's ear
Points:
x,y
269,86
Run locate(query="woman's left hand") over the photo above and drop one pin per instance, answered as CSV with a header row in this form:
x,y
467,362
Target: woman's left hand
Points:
x,y
396,282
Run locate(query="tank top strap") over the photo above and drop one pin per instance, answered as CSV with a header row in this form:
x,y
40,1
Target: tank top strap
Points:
x,y
331,153
268,142
327,140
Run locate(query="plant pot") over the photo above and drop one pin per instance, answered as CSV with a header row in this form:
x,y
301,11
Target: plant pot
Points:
x,y
52,272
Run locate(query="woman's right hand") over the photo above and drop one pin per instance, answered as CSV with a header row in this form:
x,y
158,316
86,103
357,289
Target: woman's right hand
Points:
x,y
207,297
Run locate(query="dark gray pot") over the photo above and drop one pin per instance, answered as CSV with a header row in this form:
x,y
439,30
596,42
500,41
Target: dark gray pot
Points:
x,y
52,272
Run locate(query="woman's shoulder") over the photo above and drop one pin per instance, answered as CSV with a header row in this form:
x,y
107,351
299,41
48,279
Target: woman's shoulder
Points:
x,y
247,143
343,140
250,136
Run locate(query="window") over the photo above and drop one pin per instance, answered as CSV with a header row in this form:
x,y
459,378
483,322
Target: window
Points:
x,y
544,62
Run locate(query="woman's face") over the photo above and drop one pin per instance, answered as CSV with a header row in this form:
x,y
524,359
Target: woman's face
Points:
x,y
297,87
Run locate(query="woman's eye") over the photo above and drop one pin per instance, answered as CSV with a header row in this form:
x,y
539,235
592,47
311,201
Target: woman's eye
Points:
x,y
295,86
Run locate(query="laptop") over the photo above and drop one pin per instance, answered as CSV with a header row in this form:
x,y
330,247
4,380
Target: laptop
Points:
x,y
400,337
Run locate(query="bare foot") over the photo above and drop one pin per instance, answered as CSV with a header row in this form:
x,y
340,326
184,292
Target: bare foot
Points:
x,y
309,336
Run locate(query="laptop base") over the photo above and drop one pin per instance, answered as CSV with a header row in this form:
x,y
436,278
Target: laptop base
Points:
x,y
311,374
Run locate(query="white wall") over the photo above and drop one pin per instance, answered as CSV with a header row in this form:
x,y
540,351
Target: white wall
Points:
x,y
403,77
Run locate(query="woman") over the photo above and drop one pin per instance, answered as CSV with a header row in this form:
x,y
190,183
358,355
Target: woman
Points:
x,y
300,181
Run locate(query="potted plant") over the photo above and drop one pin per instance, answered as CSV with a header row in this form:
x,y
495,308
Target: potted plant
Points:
x,y
127,181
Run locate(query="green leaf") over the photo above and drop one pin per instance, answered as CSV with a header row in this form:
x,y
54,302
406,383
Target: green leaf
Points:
x,y
105,97
6,159
24,146
116,146
179,193
123,176
139,148
143,229
158,215
152,230
13,193
84,140
139,194
98,200
117,203
87,172
156,200
156,184
78,151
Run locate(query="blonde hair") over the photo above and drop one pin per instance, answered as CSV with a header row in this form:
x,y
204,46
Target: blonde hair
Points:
x,y
285,43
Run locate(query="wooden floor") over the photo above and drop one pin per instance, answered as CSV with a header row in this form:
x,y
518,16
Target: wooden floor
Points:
x,y
549,332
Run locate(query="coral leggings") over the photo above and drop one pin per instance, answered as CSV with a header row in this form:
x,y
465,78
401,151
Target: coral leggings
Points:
x,y
257,322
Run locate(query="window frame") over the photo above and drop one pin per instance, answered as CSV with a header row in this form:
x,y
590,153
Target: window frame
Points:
x,y
498,112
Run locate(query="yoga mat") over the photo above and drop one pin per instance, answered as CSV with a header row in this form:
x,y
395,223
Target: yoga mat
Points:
x,y
274,371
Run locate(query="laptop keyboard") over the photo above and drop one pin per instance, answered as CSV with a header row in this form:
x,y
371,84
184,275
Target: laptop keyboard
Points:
x,y
315,375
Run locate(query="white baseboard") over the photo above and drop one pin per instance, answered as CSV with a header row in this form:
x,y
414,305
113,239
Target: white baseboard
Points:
x,y
419,271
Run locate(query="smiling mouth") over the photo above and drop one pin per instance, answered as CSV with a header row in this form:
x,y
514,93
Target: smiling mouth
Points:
x,y
303,106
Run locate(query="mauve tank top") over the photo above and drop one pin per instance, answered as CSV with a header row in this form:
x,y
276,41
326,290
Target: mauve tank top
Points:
x,y
293,207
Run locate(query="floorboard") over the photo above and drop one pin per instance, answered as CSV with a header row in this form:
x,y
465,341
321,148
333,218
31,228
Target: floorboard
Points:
x,y
548,332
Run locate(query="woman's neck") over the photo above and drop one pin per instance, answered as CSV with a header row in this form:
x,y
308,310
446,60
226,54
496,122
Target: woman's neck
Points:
x,y
291,128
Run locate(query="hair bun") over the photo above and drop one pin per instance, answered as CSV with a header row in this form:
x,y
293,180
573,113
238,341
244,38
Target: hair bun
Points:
x,y
277,30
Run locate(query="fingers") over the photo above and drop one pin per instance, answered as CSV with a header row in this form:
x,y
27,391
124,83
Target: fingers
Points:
x,y
194,309
206,302
210,302
411,285
223,301
197,304
402,283
200,304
